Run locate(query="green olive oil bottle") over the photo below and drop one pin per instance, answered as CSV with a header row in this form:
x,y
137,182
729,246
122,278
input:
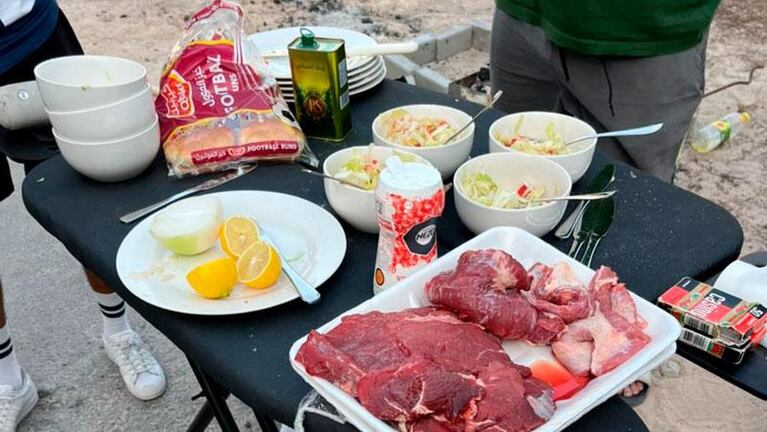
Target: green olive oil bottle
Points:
x,y
320,86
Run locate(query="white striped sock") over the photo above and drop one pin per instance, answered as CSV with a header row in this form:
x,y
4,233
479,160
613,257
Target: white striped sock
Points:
x,y
112,313
10,371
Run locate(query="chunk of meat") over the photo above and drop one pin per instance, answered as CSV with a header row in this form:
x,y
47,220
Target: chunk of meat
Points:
x,y
613,297
485,288
321,358
547,328
556,290
596,342
512,403
418,389
374,341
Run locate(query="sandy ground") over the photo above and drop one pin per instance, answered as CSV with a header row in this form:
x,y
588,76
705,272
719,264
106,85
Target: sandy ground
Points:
x,y
82,391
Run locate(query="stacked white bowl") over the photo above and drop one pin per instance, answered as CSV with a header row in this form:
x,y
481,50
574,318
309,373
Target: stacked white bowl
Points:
x,y
102,112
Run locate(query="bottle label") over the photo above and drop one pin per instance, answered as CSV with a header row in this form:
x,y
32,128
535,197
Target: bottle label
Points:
x,y
724,129
421,238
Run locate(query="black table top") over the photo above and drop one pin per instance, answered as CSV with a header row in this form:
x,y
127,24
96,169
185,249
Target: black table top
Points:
x,y
660,234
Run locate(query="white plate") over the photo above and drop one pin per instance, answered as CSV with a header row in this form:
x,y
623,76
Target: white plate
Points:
x,y
354,75
279,67
527,249
362,89
314,243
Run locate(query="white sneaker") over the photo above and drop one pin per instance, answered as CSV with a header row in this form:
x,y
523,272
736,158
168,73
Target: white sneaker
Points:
x,y
138,367
15,404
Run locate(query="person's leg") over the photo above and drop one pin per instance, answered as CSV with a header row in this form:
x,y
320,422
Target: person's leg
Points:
x,y
140,370
520,65
18,394
622,92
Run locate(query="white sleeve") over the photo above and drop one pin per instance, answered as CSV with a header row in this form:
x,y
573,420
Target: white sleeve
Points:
x,y
12,10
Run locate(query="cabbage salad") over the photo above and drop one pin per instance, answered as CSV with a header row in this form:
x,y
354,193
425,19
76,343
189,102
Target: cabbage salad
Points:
x,y
552,145
405,129
363,169
481,188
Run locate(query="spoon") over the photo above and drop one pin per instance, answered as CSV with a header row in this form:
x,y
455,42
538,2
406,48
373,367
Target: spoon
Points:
x,y
496,96
329,177
583,197
644,130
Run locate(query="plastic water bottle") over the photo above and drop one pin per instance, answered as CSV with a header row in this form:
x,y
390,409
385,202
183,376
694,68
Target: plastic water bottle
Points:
x,y
717,133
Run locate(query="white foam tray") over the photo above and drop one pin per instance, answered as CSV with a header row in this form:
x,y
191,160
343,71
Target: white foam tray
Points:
x,y
527,249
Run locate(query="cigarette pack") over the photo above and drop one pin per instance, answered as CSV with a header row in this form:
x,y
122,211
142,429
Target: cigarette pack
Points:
x,y
723,317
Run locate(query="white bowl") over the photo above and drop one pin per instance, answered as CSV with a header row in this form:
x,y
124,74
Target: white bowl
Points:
x,y
357,207
112,161
509,170
83,82
534,125
108,122
446,158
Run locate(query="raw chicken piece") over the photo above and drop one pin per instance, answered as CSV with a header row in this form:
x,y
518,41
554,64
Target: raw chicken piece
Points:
x,y
558,291
419,389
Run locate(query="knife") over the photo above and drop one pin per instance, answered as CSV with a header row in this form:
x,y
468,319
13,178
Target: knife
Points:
x,y
595,223
308,293
206,185
599,184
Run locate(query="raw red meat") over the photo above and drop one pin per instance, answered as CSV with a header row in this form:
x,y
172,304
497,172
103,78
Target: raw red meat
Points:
x,y
378,341
513,402
434,372
418,389
558,291
485,288
547,328
612,296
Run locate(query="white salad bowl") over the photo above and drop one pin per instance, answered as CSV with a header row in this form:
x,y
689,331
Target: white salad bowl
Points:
x,y
534,125
112,161
108,122
85,81
356,206
446,158
509,171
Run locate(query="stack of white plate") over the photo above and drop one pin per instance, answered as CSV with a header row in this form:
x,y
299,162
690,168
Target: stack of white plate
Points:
x,y
364,72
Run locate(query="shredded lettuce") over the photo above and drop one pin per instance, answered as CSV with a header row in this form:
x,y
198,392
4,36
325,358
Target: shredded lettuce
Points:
x,y
552,145
363,169
481,188
405,129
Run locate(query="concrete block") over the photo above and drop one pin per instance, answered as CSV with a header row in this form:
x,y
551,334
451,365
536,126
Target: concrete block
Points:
x,y
454,41
399,66
431,80
427,49
480,39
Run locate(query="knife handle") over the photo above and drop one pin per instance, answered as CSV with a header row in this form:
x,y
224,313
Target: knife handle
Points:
x,y
307,292
138,214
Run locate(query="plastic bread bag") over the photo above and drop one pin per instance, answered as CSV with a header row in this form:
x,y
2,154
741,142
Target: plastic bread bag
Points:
x,y
217,108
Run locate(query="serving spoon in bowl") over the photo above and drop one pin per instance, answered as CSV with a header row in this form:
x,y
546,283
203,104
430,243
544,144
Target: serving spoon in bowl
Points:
x,y
644,130
583,197
489,105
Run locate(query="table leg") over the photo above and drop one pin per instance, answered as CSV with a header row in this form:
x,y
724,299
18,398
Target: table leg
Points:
x,y
265,423
202,420
216,399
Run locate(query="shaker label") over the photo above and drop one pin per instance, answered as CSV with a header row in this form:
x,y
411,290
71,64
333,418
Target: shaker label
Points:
x,y
421,238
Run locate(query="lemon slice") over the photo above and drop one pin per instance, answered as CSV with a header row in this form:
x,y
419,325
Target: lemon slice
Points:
x,y
259,266
238,234
214,279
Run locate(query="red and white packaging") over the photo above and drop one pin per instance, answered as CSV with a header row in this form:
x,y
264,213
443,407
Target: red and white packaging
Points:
x,y
217,108
409,201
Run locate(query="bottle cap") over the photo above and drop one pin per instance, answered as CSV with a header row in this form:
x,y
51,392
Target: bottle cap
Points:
x,y
307,38
745,117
